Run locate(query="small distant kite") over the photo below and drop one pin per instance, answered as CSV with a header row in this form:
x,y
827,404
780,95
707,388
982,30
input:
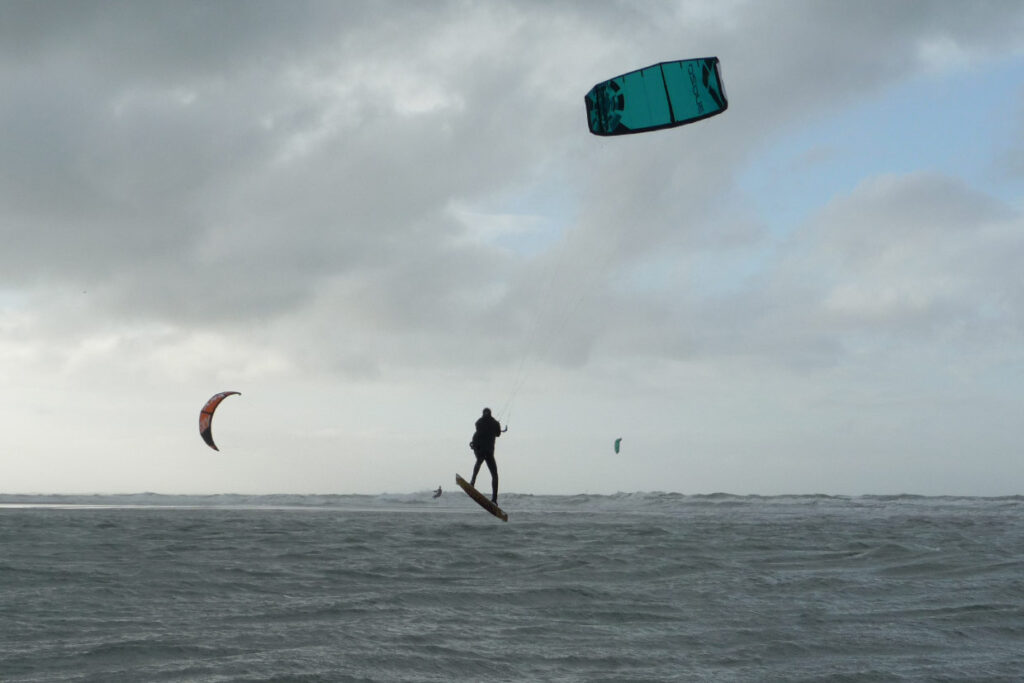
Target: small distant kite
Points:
x,y
617,442
663,95
206,416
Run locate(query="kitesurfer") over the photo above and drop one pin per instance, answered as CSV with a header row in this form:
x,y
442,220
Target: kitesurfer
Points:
x,y
487,430
437,493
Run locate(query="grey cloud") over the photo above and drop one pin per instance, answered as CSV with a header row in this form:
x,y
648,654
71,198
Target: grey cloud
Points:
x,y
901,262
241,165
921,257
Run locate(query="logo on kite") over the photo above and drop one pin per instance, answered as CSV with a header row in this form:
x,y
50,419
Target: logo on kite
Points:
x,y
206,417
663,95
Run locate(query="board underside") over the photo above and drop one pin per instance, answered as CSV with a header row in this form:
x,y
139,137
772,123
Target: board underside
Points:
x,y
481,499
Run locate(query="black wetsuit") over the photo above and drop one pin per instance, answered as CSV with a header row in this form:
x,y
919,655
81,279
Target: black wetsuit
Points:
x,y
487,430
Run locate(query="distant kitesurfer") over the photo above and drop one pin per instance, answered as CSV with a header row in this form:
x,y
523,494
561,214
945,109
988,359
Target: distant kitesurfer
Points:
x,y
437,493
487,430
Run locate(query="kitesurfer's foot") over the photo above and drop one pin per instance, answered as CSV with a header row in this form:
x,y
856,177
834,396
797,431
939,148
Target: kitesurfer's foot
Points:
x,y
494,500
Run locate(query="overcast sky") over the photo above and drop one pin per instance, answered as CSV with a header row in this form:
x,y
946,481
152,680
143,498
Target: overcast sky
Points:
x,y
374,219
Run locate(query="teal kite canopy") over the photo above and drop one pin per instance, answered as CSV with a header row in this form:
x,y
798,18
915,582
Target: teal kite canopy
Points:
x,y
663,95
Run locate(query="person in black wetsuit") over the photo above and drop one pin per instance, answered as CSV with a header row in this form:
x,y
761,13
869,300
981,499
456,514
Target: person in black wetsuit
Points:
x,y
487,430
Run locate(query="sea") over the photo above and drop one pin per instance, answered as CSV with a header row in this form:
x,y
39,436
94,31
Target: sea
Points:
x,y
624,587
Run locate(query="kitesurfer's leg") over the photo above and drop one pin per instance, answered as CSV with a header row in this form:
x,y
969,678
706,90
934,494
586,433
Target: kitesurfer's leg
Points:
x,y
493,467
476,469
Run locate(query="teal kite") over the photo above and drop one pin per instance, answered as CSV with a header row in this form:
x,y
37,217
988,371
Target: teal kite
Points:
x,y
663,95
617,442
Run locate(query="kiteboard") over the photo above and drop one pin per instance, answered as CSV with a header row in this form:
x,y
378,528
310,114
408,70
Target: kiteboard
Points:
x,y
481,499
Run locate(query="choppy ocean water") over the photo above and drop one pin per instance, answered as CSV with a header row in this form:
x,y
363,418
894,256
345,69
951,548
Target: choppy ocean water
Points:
x,y
630,587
